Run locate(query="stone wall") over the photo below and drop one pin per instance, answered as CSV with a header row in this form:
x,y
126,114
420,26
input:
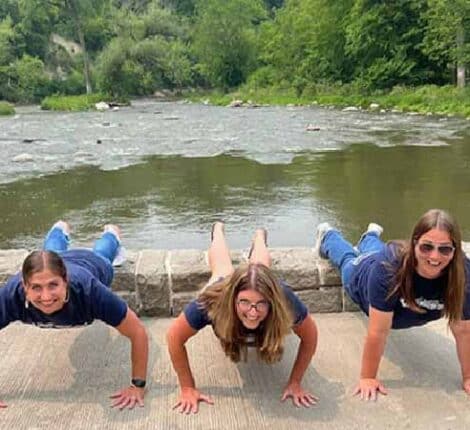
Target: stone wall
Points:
x,y
161,282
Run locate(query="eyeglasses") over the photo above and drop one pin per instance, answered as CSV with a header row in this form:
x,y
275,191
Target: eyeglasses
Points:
x,y
246,305
428,247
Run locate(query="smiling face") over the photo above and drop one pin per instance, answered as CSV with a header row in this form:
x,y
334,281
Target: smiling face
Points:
x,y
46,291
252,308
430,262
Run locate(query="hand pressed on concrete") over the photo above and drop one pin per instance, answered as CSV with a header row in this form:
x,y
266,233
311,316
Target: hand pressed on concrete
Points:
x,y
128,398
189,400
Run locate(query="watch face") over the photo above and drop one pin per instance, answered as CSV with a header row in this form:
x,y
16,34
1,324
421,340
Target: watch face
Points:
x,y
139,383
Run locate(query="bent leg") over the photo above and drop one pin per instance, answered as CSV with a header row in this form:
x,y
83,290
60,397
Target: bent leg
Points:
x,y
220,261
259,252
58,237
107,245
370,242
340,252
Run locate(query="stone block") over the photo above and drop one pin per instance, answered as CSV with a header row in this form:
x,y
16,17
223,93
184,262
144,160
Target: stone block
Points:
x,y
124,276
323,299
179,301
297,266
152,283
130,297
11,261
188,269
348,304
328,274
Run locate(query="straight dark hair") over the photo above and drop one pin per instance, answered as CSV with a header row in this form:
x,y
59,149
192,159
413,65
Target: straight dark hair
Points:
x,y
38,261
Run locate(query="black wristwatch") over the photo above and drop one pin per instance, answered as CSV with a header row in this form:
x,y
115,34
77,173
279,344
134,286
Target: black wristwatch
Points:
x,y
139,383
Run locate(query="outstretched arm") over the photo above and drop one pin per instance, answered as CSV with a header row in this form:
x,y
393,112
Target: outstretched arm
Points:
x,y
307,332
178,333
132,328
378,329
461,331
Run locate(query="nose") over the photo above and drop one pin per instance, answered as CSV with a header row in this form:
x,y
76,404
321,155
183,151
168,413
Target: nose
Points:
x,y
46,295
253,311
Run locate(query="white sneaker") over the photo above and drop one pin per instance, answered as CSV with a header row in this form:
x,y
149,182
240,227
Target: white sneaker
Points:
x,y
121,251
64,226
322,229
375,228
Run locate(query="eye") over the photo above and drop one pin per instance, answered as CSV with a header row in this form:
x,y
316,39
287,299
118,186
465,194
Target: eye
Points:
x,y
36,288
244,302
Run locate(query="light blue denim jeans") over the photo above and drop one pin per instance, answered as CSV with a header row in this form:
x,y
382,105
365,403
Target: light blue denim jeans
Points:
x,y
106,246
344,256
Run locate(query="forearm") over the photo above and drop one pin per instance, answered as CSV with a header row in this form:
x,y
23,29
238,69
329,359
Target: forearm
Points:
x,y
180,361
302,361
372,354
139,354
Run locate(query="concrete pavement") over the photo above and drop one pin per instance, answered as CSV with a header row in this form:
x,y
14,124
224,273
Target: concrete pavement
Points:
x,y
57,379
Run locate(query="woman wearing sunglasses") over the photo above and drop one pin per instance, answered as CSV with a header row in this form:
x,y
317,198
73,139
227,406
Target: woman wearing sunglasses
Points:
x,y
404,284
246,307
61,288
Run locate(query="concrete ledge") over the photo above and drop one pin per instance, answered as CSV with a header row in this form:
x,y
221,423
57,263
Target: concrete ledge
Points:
x,y
161,283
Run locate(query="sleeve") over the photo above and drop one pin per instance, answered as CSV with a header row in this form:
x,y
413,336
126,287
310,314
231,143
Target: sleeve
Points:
x,y
196,315
8,305
298,307
107,306
378,288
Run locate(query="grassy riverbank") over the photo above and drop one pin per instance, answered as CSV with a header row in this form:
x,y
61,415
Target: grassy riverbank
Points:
x,y
6,109
431,99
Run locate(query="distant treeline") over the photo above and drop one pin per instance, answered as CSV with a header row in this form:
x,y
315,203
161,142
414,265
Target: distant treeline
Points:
x,y
136,47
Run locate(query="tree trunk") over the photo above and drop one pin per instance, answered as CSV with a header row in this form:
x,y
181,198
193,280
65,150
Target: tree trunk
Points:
x,y
460,66
81,38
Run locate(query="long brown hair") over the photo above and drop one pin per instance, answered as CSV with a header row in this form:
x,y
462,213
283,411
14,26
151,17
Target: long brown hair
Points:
x,y
455,271
219,301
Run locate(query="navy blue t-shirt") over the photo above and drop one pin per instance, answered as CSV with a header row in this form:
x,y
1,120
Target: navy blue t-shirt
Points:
x,y
372,280
197,316
90,296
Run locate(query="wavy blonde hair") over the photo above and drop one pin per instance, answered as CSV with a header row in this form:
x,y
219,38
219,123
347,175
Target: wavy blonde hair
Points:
x,y
220,298
455,271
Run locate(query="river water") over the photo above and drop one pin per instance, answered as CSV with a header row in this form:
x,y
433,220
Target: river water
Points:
x,y
165,171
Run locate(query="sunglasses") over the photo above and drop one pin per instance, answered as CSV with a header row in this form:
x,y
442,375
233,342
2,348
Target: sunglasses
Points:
x,y
428,247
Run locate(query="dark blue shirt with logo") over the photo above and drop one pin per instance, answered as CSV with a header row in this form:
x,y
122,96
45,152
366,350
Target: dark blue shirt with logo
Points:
x,y
90,297
372,280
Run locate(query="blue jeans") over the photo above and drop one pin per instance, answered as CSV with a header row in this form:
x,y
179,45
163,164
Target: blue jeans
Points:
x,y
106,246
343,255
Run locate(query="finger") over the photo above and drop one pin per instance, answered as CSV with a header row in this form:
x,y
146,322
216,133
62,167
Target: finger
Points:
x,y
304,401
3,405
140,401
382,390
195,407
311,399
182,407
295,400
188,407
116,394
356,391
124,403
285,396
132,403
178,403
117,401
373,395
207,399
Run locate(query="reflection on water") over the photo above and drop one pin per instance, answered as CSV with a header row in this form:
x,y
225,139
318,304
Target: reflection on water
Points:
x,y
170,202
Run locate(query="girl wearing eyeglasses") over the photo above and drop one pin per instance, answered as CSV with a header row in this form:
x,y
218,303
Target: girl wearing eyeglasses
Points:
x,y
404,284
246,307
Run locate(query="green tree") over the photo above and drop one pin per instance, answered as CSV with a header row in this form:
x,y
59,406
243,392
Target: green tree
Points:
x,y
447,38
383,41
6,41
225,39
305,42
